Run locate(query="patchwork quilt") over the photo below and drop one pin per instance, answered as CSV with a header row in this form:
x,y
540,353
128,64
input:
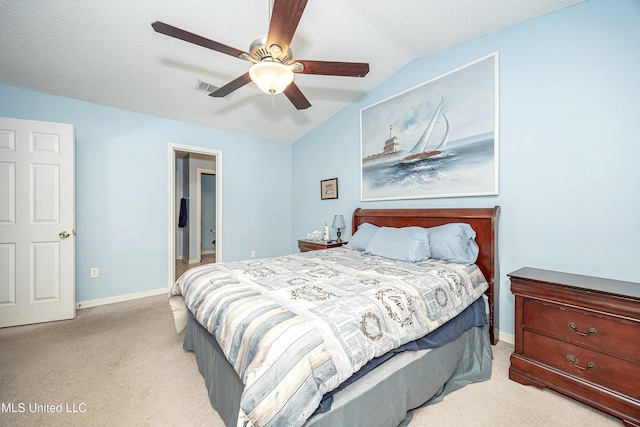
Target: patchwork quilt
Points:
x,y
295,327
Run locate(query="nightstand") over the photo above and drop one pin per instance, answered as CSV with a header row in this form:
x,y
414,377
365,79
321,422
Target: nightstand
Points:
x,y
311,245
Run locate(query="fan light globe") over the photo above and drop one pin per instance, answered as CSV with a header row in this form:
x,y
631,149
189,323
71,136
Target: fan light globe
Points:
x,y
271,77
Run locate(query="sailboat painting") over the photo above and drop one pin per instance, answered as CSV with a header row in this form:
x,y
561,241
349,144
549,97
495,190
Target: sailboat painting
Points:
x,y
437,139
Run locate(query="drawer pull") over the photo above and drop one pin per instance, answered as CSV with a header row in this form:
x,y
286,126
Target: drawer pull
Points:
x,y
592,331
571,358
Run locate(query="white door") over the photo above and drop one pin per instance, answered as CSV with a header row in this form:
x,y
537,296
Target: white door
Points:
x,y
37,215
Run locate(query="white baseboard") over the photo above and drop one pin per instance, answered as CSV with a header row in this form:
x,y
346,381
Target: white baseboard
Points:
x,y
210,252
508,338
120,298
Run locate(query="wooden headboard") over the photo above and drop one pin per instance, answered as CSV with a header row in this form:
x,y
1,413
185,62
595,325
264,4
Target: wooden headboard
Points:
x,y
484,222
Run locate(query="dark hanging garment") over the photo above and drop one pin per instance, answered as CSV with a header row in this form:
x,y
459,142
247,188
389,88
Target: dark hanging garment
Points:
x,y
182,221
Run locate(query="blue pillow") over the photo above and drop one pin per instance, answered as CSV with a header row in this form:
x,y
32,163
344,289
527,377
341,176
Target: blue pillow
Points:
x,y
360,239
454,242
404,244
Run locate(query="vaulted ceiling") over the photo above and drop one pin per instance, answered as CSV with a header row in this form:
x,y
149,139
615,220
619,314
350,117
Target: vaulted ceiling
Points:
x,y
106,52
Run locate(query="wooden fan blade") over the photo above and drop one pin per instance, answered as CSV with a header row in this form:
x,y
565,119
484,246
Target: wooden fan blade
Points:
x,y
171,31
330,68
231,86
296,97
285,17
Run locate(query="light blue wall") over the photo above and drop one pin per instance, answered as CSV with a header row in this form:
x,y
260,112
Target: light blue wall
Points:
x,y
569,145
122,194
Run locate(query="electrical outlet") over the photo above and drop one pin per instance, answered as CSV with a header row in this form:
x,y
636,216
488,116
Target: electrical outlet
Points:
x,y
95,272
253,254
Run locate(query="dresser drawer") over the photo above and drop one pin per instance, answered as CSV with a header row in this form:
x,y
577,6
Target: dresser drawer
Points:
x,y
613,336
581,362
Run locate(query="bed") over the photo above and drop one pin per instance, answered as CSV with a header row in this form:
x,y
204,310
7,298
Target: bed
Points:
x,y
265,339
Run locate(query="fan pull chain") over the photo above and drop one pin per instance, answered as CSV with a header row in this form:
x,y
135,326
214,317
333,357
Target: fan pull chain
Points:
x,y
273,100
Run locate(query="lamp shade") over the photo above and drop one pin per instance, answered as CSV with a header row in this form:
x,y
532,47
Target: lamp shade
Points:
x,y
338,222
271,77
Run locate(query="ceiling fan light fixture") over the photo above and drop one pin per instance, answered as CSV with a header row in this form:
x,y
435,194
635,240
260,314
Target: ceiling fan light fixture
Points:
x,y
271,77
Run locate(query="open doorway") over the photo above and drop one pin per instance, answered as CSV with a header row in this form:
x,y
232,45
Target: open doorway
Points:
x,y
188,209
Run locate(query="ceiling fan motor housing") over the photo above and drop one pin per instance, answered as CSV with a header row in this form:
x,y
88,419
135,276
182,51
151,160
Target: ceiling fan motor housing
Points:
x,y
259,51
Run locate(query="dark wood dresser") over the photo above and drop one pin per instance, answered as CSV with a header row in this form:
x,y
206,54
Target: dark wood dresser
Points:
x,y
580,336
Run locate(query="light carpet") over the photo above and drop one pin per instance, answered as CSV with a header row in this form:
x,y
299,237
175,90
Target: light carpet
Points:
x,y
123,365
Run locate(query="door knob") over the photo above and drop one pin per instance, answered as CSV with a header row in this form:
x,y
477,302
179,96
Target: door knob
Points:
x,y
64,234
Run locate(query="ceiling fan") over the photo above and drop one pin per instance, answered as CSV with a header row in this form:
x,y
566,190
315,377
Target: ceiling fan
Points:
x,y
273,64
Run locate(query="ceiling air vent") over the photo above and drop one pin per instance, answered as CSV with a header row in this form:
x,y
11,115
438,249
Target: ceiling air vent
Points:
x,y
205,87
208,88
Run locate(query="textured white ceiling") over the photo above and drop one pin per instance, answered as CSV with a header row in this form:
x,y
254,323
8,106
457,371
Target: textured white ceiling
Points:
x,y
106,52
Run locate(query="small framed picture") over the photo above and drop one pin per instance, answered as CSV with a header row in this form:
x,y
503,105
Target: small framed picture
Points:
x,y
329,189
